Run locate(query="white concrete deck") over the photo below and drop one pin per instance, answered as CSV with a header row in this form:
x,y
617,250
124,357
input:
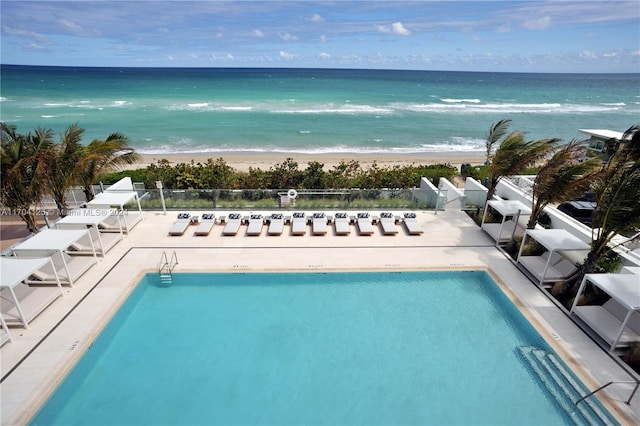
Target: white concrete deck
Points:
x,y
40,356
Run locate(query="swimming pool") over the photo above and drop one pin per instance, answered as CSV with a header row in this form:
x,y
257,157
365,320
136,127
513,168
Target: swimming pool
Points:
x,y
300,348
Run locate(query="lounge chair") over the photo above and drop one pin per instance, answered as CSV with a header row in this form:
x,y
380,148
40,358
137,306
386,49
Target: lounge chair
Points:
x,y
411,224
181,224
319,224
256,221
205,225
365,225
559,268
341,224
234,220
299,224
77,266
388,223
607,319
276,224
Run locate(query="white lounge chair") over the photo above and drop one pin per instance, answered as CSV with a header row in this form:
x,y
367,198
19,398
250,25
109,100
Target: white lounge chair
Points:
x,y
299,224
205,225
559,268
319,224
276,224
388,223
365,223
77,265
233,224
411,224
181,224
606,321
256,222
341,224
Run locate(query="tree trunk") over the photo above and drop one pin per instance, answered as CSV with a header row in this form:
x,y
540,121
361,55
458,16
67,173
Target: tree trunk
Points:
x,y
88,193
62,208
30,219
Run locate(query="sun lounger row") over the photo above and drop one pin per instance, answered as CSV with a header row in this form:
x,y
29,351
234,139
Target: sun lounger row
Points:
x,y
299,223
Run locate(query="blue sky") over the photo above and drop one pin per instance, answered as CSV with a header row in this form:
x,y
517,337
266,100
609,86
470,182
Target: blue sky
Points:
x,y
521,36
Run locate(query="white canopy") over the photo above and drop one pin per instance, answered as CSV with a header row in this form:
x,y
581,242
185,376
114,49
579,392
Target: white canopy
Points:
x,y
557,239
119,199
15,270
94,218
624,289
553,240
25,302
51,242
114,199
507,208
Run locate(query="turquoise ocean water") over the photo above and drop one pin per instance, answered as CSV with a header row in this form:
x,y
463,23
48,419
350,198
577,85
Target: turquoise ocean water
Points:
x,y
312,110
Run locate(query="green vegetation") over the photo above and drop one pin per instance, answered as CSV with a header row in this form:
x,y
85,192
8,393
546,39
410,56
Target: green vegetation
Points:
x,y
216,174
33,165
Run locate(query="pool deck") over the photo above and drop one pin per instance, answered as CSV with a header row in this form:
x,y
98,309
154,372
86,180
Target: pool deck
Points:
x,y
41,355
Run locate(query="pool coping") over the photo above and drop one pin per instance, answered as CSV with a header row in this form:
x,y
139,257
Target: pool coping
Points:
x,y
48,362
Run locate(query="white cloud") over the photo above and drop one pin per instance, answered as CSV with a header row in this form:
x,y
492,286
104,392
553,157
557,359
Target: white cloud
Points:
x,y
323,38
610,55
636,53
538,24
587,54
324,55
286,55
395,28
317,19
171,58
287,37
257,33
476,37
75,29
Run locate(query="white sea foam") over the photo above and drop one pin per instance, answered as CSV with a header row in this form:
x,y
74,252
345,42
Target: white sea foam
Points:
x,y
455,101
3,99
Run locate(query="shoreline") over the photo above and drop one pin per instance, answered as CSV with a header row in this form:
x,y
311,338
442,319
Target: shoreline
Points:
x,y
242,160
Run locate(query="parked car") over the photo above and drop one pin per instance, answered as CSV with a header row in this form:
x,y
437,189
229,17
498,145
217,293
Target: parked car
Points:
x,y
582,211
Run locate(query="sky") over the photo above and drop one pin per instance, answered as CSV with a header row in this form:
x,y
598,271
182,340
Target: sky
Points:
x,y
511,36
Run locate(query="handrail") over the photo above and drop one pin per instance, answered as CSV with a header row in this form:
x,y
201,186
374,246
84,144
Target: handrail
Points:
x,y
628,401
165,265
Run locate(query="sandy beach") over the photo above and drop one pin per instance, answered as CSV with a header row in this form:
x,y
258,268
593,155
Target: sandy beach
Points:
x,y
242,161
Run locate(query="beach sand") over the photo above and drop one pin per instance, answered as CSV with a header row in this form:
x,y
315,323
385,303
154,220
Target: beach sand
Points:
x,y
242,161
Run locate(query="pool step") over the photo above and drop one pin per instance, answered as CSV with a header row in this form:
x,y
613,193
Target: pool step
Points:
x,y
166,278
563,386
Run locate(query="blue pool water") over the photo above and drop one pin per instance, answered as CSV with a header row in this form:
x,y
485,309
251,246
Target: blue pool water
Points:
x,y
308,348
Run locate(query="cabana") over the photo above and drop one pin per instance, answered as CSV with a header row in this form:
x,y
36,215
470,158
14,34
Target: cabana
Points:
x,y
504,231
107,200
94,220
617,322
55,243
118,195
551,266
21,303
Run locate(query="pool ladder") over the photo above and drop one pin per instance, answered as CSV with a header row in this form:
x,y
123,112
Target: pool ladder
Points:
x,y
165,267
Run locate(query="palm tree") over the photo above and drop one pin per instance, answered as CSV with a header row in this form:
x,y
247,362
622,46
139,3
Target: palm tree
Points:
x,y
100,157
514,155
68,153
26,167
563,177
496,132
617,195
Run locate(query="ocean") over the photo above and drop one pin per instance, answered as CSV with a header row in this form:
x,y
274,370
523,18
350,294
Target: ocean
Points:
x,y
217,110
